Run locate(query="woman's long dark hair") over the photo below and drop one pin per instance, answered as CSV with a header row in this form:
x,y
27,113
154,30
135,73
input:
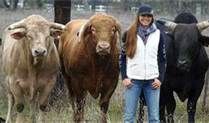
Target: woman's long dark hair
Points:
x,y
131,37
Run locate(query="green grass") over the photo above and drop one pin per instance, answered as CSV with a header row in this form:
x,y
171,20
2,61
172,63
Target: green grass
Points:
x,y
62,113
3,107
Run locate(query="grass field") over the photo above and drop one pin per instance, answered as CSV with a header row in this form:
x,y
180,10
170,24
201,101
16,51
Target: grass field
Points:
x,y
62,112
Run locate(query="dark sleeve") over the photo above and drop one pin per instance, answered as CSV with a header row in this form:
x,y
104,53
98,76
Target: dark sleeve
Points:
x,y
123,58
161,57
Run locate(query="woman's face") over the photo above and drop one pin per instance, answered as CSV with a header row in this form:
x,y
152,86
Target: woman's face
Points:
x,y
145,20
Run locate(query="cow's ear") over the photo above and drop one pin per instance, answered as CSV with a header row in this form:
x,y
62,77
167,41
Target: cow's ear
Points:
x,y
118,28
18,35
90,29
204,40
86,30
56,33
56,29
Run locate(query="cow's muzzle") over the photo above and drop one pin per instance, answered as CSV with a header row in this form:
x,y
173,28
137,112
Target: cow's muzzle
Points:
x,y
103,48
38,52
183,65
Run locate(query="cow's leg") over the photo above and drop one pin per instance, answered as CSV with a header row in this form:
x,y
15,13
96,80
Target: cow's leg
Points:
x,y
77,102
10,106
77,96
163,99
70,91
106,93
191,105
104,104
191,109
79,110
44,95
162,113
18,96
193,98
170,106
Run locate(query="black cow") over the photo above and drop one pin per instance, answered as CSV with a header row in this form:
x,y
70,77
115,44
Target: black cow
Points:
x,y
187,63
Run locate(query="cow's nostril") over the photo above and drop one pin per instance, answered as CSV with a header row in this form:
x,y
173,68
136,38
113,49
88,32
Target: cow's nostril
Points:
x,y
44,51
36,51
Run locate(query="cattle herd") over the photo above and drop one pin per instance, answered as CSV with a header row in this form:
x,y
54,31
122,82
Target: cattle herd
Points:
x,y
88,57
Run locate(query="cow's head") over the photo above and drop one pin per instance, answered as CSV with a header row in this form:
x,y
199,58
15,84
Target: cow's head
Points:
x,y
36,34
187,41
102,32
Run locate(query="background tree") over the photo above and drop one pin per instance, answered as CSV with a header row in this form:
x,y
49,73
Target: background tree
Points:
x,y
11,4
62,11
62,14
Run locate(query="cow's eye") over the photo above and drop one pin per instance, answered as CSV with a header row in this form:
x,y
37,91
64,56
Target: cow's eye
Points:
x,y
113,30
93,30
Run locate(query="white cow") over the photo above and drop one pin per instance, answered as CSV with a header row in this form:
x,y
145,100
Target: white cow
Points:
x,y
30,62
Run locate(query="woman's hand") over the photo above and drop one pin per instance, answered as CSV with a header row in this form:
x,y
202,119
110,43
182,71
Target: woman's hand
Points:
x,y
156,84
127,82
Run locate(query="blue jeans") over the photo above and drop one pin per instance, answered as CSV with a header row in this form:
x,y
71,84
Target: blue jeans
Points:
x,y
152,97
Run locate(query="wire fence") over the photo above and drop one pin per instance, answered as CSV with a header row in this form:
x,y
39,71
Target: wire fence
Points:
x,y
116,106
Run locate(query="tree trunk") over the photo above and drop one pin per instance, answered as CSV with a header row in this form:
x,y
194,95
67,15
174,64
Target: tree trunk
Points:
x,y
62,14
11,4
62,11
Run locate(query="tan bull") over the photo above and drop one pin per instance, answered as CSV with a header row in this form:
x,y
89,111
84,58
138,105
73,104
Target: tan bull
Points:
x,y
30,62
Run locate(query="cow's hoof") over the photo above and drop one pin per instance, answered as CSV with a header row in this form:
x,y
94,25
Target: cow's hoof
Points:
x,y
20,107
44,108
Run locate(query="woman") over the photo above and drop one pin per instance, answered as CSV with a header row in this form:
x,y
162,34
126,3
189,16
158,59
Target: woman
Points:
x,y
142,64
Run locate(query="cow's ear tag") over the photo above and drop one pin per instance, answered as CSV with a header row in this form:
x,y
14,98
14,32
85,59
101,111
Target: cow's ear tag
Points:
x,y
18,35
56,33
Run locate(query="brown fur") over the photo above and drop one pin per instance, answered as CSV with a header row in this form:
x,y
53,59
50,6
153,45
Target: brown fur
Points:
x,y
83,68
27,75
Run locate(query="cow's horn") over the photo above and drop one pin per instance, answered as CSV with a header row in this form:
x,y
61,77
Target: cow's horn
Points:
x,y
57,26
170,25
203,25
20,24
